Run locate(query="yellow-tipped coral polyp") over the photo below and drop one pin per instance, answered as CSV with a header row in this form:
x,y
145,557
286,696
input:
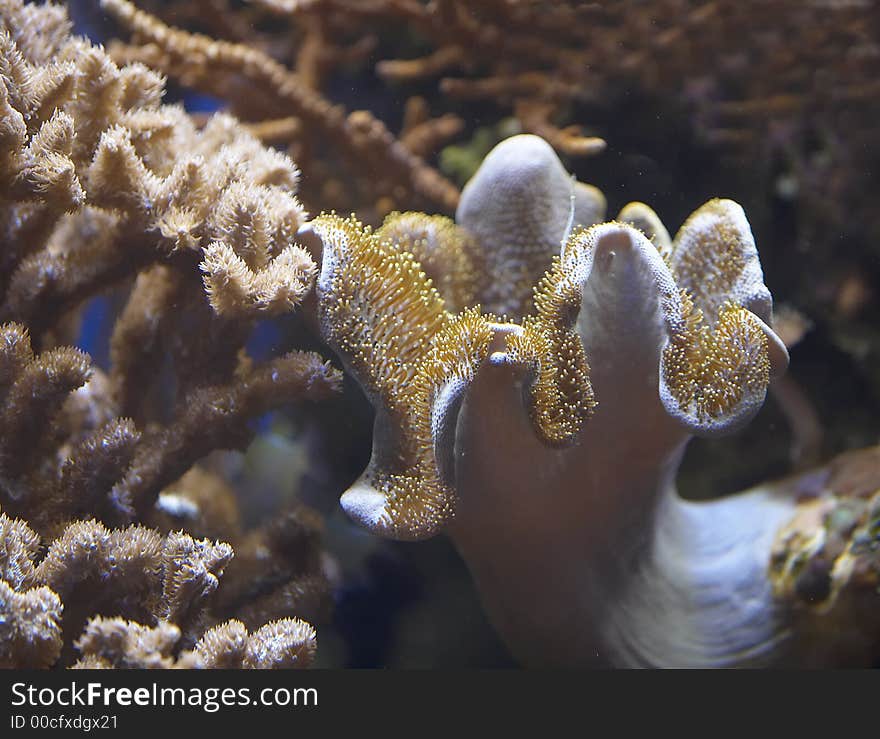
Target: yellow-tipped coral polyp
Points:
x,y
562,397
710,369
382,314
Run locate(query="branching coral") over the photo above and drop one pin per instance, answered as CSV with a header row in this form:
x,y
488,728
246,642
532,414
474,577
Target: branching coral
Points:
x,y
151,592
120,644
278,569
103,187
143,185
505,49
790,81
220,67
35,389
559,438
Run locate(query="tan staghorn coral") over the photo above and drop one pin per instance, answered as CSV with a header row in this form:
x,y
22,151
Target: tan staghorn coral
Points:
x,y
120,644
283,644
503,51
35,390
116,148
278,569
153,594
113,470
753,79
30,635
367,146
190,228
561,447
226,204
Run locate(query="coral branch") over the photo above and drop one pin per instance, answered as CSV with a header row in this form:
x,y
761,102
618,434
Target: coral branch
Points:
x,y
216,417
105,191
29,632
363,137
389,325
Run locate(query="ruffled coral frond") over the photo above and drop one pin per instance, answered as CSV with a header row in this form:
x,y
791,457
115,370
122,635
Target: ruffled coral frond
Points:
x,y
418,500
715,258
380,311
716,375
445,252
562,397
636,323
720,358
644,218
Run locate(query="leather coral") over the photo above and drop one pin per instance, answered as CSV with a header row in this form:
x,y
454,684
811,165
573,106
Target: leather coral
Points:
x,y
546,441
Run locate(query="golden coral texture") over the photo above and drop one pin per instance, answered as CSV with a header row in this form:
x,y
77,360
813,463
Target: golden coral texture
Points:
x,y
710,370
417,360
390,325
562,397
551,444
